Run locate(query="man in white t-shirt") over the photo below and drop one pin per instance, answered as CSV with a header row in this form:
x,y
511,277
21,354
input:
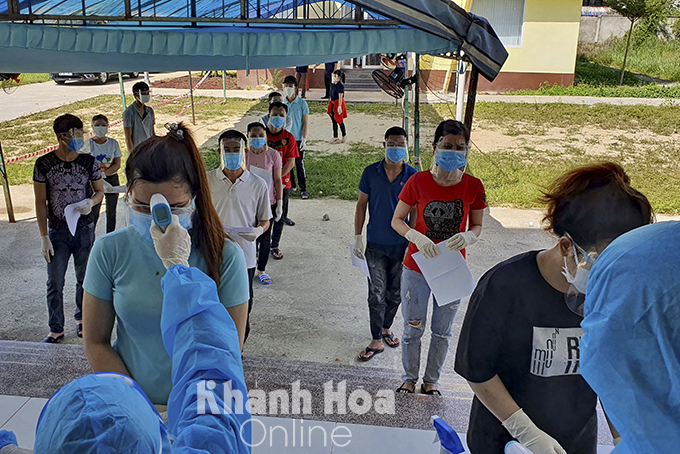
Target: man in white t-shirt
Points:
x,y
241,200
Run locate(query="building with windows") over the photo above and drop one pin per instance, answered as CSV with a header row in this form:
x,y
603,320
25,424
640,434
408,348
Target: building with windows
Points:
x,y
541,37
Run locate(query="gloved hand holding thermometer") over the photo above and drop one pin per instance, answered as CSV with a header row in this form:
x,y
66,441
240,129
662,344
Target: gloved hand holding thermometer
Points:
x,y
171,241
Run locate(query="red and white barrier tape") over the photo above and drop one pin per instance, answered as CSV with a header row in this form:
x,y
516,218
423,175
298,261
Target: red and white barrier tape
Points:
x,y
115,123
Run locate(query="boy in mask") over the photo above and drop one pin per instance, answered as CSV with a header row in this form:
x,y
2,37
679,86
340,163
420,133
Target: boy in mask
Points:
x,y
283,142
241,200
275,96
139,119
298,111
379,191
107,153
68,175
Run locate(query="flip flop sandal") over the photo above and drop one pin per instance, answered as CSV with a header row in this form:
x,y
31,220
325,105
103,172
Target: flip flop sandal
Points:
x,y
390,340
263,278
432,392
79,329
276,253
304,196
404,390
53,340
368,350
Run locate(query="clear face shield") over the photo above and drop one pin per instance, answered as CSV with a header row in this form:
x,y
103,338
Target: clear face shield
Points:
x,y
232,156
78,140
396,151
450,163
584,260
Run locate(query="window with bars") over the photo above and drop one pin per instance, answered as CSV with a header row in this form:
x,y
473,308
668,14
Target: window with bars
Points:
x,y
506,18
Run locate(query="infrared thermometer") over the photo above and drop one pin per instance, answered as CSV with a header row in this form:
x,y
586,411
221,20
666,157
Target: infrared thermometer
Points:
x,y
160,211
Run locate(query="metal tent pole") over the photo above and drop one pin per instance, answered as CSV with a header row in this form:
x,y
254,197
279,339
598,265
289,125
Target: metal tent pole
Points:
x,y
191,93
122,90
416,113
224,85
460,88
472,98
5,187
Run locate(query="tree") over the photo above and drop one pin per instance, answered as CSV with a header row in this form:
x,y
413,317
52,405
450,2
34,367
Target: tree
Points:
x,y
634,10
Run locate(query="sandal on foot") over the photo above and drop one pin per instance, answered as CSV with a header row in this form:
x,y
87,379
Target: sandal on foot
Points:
x,y
264,279
404,390
432,392
276,253
304,195
372,351
79,329
390,340
53,340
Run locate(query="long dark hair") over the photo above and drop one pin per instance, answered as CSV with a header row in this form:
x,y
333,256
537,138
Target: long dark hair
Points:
x,y
175,157
594,204
340,74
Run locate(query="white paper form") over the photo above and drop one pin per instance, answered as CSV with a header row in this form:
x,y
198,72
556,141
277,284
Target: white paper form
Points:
x,y
362,264
72,215
447,275
266,175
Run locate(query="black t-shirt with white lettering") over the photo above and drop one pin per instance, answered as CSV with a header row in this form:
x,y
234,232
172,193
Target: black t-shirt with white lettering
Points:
x,y
67,182
519,327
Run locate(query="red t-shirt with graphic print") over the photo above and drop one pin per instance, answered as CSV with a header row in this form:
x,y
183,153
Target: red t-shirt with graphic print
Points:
x,y
285,144
442,210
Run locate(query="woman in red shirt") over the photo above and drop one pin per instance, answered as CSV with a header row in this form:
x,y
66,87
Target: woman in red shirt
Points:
x,y
445,197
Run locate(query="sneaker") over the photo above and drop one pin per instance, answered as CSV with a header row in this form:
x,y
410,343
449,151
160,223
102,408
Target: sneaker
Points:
x,y
326,97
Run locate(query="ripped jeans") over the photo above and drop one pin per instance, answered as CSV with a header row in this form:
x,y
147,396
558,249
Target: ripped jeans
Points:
x,y
415,294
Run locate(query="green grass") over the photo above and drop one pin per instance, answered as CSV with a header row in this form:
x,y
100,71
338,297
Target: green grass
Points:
x,y
33,78
512,177
592,79
653,57
524,118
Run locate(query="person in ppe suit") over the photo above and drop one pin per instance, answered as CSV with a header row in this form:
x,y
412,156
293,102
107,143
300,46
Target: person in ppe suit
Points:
x,y
630,351
108,412
519,344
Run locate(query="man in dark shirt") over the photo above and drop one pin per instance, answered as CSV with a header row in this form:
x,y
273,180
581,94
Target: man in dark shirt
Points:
x,y
69,175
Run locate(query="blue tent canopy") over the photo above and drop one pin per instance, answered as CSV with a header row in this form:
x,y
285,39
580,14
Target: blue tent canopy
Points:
x,y
39,48
150,38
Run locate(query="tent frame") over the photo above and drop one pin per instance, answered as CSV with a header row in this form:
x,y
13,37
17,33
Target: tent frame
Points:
x,y
304,19
14,14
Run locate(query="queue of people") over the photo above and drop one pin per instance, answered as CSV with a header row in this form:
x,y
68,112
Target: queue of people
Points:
x,y
519,347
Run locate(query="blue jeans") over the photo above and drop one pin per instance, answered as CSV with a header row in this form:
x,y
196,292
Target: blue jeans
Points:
x,y
65,246
414,298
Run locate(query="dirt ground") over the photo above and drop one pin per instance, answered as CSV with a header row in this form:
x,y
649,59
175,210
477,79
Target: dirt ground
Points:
x,y
211,83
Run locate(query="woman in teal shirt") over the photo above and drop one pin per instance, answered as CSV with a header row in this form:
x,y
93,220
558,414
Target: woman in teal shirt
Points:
x,y
123,278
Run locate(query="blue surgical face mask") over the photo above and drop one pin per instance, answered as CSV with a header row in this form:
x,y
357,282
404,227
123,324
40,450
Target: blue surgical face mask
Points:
x,y
77,144
395,154
232,161
142,222
278,122
258,142
450,160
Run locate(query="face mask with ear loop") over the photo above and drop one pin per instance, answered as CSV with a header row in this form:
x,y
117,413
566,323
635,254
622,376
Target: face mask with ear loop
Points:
x,y
579,281
449,165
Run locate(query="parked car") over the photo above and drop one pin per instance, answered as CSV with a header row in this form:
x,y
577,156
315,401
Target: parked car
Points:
x,y
100,78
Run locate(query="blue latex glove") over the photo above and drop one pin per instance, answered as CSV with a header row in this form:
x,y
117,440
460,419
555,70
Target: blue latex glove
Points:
x,y
202,341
